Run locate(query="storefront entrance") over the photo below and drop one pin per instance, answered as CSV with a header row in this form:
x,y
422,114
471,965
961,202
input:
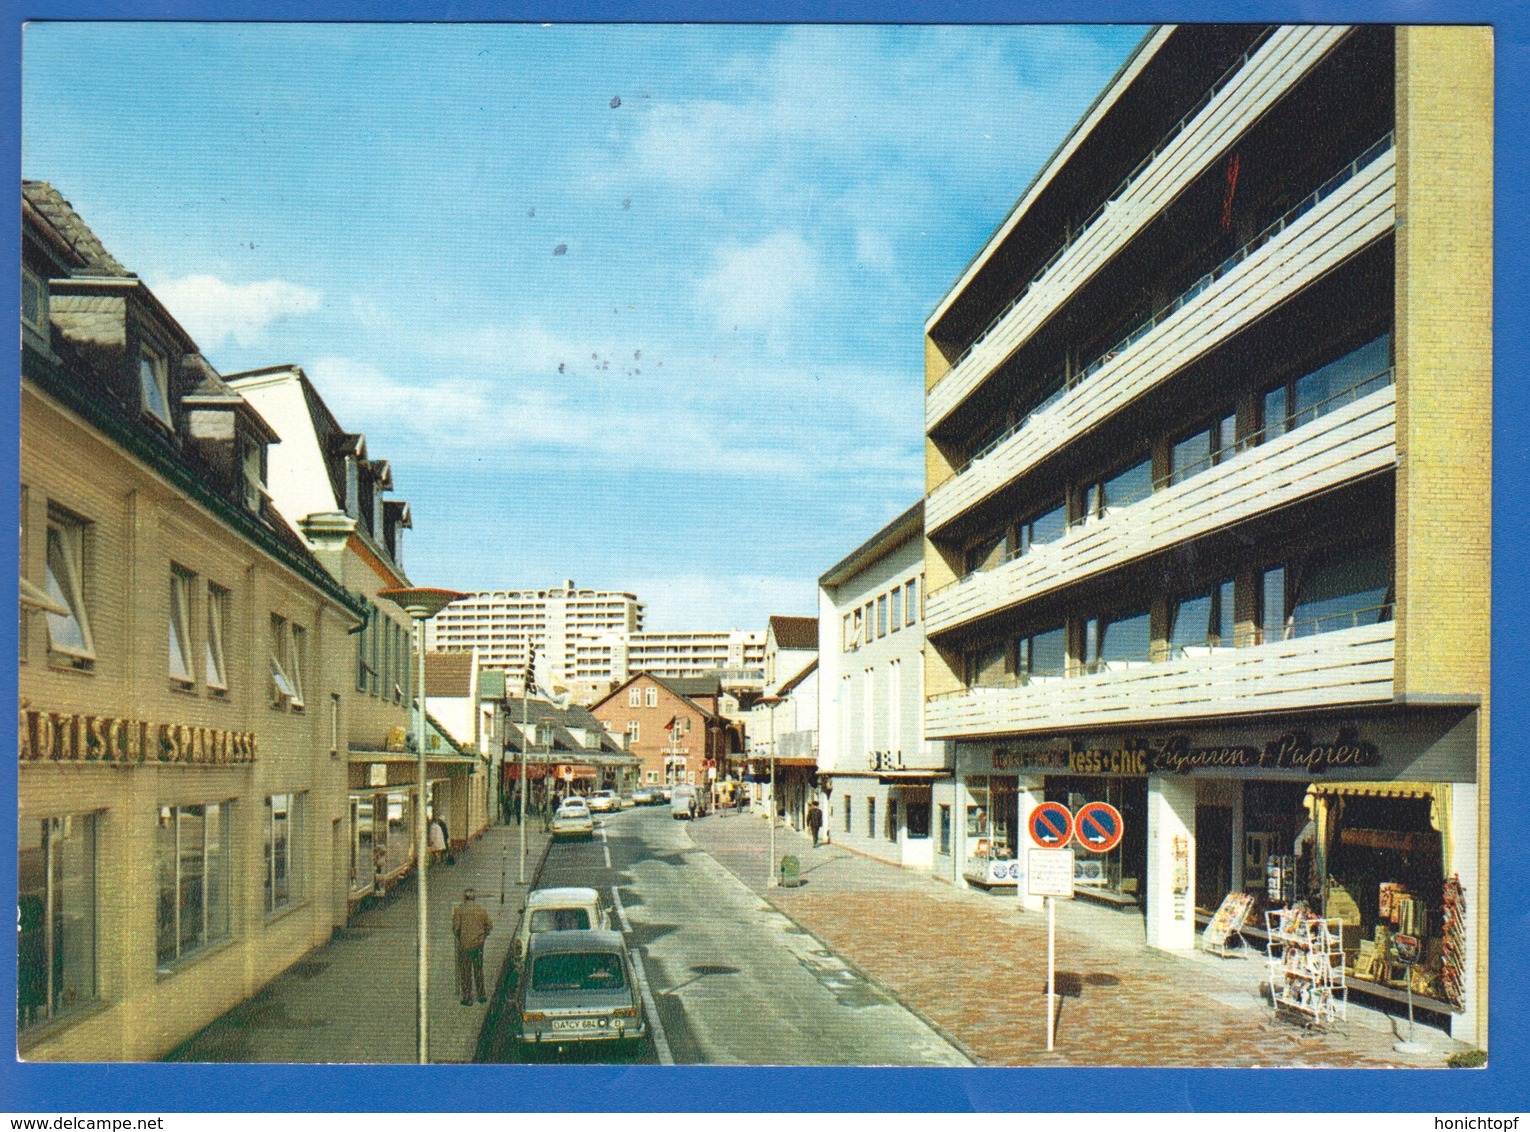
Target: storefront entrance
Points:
x,y
1119,876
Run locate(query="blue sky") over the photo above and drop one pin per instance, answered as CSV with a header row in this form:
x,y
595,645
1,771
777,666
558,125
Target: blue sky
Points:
x,y
671,345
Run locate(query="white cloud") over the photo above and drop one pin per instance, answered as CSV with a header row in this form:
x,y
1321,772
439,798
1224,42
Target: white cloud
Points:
x,y
214,311
760,286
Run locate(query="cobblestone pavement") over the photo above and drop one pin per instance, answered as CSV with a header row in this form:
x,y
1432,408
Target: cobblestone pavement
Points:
x,y
974,965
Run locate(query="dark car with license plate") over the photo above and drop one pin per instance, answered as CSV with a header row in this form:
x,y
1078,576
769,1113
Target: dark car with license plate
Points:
x,y
578,988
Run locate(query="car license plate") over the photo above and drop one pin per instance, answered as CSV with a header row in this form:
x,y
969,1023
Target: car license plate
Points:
x,y
575,1024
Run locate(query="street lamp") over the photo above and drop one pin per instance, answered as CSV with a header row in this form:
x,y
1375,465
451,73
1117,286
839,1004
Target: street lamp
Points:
x,y
770,702
421,605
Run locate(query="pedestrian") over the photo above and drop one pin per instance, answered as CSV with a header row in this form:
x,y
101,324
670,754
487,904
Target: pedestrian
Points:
x,y
471,925
436,840
814,820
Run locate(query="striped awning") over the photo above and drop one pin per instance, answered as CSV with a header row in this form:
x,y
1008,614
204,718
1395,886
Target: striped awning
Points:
x,y
1376,789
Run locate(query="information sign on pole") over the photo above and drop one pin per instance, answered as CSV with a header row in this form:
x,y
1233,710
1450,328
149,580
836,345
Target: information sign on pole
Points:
x,y
1051,825
1049,872
1098,827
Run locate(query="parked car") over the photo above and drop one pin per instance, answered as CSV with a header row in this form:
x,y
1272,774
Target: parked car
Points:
x,y
665,794
604,801
577,987
645,796
572,820
560,909
684,803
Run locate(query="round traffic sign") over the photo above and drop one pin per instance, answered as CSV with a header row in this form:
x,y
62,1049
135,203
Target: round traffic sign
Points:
x,y
1051,825
1098,827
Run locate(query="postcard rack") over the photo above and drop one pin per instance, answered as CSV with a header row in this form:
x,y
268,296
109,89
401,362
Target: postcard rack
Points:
x,y
1306,958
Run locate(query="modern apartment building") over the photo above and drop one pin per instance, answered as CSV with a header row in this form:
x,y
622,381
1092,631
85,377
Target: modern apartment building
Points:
x,y
1208,469
679,655
182,782
888,791
582,632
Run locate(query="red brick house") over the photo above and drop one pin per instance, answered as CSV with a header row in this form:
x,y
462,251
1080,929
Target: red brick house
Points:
x,y
676,736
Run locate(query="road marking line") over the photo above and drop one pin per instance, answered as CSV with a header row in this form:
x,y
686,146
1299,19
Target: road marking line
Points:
x,y
605,846
660,1042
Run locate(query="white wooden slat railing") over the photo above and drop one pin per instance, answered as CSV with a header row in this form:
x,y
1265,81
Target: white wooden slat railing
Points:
x,y
1279,65
1348,666
1359,212
1351,442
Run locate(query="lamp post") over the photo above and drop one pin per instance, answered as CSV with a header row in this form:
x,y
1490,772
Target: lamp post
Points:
x,y
421,605
525,743
771,702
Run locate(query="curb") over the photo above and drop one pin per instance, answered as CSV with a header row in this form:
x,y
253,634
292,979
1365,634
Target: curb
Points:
x,y
945,1035
502,981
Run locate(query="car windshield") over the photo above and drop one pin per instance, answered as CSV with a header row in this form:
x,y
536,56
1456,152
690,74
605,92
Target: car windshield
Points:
x,y
560,919
595,970
571,808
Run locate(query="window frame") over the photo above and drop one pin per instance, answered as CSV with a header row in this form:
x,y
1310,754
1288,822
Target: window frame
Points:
x,y
291,849
71,534
182,647
157,364
211,934
215,650
42,324
54,832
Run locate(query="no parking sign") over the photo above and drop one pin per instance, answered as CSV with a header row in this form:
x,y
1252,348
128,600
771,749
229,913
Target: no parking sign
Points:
x,y
1098,827
1051,825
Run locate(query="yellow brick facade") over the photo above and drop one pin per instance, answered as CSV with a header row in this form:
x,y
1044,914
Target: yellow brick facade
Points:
x,y
1445,385
138,526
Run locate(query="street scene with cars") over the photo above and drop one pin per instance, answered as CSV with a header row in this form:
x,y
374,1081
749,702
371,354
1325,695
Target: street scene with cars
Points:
x,y
1028,614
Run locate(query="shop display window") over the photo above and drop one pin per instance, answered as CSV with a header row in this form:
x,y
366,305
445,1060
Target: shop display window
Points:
x,y
192,854
1123,871
992,822
55,917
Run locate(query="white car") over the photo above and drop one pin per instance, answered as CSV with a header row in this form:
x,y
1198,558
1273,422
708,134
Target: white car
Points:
x,y
605,801
573,820
561,909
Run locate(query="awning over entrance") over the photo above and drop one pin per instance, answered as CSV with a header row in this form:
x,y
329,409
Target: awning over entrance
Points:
x,y
1377,789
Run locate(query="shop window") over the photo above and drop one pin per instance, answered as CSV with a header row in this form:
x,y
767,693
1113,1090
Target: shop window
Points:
x,y
55,917
281,832
154,384
1121,490
944,843
69,634
1123,870
215,663
1348,378
193,868
1114,644
1203,622
916,818
1343,591
1042,656
895,603
181,584
1204,448
871,817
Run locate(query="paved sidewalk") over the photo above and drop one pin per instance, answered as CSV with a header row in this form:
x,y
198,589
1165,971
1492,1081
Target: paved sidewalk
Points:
x,y
353,999
974,964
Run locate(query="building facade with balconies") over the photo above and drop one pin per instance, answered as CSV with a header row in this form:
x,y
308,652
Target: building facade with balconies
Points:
x,y
1208,477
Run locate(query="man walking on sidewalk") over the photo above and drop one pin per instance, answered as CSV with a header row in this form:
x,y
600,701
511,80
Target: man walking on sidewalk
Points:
x,y
471,925
814,820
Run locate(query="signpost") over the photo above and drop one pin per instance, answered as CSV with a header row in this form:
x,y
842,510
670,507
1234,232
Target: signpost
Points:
x,y
1049,869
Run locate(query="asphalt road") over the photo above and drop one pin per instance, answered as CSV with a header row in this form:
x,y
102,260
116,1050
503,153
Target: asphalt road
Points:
x,y
730,980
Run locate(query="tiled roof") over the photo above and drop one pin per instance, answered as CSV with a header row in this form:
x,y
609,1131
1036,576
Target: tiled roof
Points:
x,y
795,632
812,667
448,674
59,213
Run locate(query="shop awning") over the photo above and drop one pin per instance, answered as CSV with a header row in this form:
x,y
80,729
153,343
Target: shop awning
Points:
x,y
1377,789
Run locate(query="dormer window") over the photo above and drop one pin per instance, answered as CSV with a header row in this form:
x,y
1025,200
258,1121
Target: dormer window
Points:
x,y
252,468
154,383
34,301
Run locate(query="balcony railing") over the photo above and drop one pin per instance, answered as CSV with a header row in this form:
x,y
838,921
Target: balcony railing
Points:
x,y
1116,194
1271,68
1351,665
1355,437
1357,207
